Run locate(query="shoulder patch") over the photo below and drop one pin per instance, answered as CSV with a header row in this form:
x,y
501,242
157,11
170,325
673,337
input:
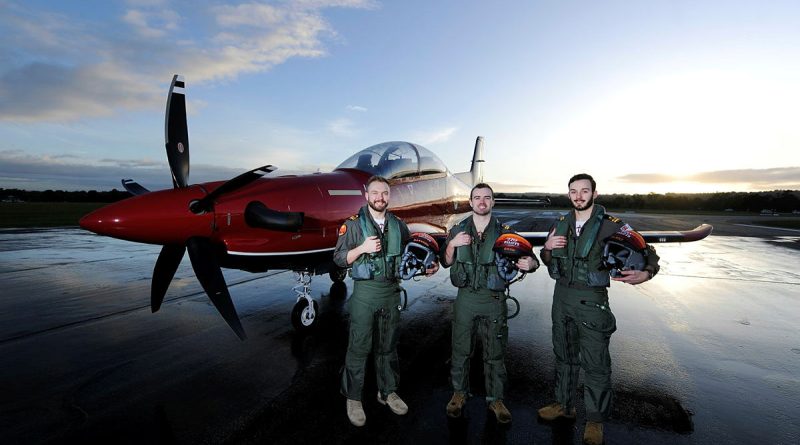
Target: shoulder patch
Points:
x,y
342,229
612,218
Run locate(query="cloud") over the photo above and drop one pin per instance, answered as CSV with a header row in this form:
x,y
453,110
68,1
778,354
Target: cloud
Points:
x,y
64,68
435,136
59,172
646,178
342,127
500,187
764,179
356,108
143,22
779,175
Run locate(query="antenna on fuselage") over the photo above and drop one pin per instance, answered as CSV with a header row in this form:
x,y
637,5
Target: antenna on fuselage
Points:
x,y
475,173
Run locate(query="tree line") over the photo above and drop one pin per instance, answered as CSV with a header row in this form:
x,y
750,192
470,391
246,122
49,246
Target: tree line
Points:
x,y
777,200
62,196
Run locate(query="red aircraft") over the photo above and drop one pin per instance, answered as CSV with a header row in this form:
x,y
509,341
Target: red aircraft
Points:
x,y
255,224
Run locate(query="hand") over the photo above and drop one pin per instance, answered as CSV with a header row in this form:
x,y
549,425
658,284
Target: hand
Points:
x,y
633,276
461,239
526,264
433,269
371,245
555,241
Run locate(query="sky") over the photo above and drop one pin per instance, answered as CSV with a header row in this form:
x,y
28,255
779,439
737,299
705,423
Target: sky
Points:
x,y
648,97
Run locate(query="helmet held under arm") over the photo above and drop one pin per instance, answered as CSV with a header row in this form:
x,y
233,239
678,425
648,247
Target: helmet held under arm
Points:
x,y
509,248
418,255
624,250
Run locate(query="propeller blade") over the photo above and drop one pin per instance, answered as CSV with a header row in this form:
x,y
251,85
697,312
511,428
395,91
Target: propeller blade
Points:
x,y
205,204
208,272
176,133
133,187
167,263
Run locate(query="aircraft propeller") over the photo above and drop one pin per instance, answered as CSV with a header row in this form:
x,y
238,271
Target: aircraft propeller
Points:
x,y
202,252
176,133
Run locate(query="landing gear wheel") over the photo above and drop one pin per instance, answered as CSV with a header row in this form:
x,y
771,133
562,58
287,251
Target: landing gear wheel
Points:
x,y
304,316
338,275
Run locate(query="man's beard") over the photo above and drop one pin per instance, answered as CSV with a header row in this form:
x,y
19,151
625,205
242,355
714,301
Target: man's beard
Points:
x,y
589,203
378,206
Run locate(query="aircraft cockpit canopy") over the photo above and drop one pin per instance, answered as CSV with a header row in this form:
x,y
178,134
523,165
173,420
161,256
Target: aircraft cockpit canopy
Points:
x,y
394,160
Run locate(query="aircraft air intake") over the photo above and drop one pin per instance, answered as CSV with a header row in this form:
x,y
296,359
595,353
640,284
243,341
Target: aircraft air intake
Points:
x,y
259,215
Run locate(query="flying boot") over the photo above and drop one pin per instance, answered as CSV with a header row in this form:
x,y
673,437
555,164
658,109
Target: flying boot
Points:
x,y
554,411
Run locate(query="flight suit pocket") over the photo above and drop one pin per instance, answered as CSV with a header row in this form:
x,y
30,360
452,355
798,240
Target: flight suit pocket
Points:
x,y
553,269
362,271
598,317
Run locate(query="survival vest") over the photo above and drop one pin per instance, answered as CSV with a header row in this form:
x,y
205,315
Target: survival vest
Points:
x,y
579,264
473,265
380,265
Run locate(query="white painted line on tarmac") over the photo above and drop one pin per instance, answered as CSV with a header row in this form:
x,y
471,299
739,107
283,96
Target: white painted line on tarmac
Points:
x,y
768,227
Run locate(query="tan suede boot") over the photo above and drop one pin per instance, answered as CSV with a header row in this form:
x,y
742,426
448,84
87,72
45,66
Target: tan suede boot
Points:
x,y
500,411
553,411
593,433
456,404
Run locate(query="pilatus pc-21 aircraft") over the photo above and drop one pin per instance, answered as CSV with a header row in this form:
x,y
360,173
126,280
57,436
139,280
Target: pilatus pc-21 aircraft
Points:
x,y
256,223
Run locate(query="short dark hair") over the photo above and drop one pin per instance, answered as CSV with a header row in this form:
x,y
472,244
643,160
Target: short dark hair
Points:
x,y
376,178
481,185
580,176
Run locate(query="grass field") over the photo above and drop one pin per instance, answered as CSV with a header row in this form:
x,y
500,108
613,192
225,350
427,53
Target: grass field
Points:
x,y
44,214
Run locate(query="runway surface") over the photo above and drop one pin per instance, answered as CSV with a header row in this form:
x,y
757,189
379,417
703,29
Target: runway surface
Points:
x,y
707,352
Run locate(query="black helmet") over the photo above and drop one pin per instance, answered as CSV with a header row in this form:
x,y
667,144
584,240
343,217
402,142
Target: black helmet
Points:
x,y
418,256
508,248
624,250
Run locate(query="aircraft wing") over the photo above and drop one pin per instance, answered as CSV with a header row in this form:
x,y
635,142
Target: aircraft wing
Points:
x,y
651,236
535,202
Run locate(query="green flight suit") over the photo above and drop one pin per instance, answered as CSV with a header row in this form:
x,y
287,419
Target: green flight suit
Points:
x,y
480,309
375,304
582,318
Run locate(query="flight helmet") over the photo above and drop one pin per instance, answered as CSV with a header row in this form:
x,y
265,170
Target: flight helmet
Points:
x,y
508,248
624,250
418,256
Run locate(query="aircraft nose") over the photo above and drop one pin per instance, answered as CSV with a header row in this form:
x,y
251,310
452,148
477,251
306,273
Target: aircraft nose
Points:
x,y
98,221
161,217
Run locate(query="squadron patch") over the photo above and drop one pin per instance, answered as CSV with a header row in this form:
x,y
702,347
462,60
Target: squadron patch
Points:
x,y
342,229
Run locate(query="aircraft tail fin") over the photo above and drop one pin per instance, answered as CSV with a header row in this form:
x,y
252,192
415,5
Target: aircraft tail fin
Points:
x,y
475,173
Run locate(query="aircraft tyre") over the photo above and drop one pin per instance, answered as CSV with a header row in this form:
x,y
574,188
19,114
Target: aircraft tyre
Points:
x,y
338,275
304,316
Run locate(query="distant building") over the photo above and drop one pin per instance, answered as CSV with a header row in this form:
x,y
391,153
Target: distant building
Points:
x,y
12,198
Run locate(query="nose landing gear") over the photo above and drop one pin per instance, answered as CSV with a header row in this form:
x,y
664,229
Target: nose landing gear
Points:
x,y
304,313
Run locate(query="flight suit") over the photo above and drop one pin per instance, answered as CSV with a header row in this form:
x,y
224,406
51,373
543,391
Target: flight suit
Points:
x,y
480,309
582,318
375,304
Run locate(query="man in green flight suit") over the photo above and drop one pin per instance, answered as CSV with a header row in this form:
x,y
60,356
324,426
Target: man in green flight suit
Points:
x,y
371,242
582,319
480,307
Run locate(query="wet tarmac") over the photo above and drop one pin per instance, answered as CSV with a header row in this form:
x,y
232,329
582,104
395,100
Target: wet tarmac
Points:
x,y
708,352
